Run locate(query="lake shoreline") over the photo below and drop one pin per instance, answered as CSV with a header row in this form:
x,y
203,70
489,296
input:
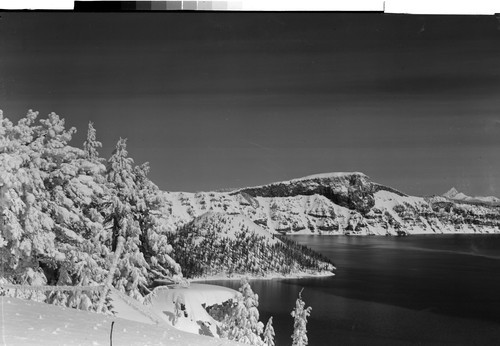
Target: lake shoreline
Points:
x,y
274,276
395,235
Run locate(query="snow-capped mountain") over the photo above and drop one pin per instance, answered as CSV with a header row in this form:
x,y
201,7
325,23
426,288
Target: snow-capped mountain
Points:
x,y
453,194
337,203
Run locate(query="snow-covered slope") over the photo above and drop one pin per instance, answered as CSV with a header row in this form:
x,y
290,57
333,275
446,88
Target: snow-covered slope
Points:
x,y
229,225
337,203
30,323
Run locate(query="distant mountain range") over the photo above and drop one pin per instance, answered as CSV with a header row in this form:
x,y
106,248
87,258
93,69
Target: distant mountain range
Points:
x,y
453,194
338,203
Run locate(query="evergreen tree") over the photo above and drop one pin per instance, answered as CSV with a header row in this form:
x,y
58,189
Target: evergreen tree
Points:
x,y
26,230
75,191
242,323
134,215
120,218
45,196
91,143
269,333
154,226
300,314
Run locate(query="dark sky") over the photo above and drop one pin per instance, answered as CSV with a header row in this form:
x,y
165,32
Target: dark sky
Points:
x,y
216,100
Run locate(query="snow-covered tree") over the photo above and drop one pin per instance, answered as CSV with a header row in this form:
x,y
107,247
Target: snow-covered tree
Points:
x,y
300,314
26,230
242,323
154,227
269,333
134,215
91,143
75,190
64,216
46,188
132,267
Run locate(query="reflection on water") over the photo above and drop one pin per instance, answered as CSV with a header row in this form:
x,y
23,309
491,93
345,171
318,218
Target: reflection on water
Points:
x,y
389,290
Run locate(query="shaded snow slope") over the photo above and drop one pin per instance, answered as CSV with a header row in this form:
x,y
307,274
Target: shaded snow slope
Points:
x,y
337,203
33,323
228,225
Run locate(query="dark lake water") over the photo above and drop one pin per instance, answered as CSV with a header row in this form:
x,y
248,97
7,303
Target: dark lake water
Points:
x,y
413,290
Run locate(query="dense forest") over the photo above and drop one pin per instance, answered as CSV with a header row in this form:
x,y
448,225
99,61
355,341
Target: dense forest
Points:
x,y
205,252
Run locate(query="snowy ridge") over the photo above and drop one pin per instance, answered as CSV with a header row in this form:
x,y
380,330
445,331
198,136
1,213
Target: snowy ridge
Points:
x,y
329,176
336,203
319,176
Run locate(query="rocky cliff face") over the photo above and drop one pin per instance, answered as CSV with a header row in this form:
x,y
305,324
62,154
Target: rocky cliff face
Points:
x,y
337,203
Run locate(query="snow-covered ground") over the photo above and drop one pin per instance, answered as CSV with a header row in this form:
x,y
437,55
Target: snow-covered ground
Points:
x,y
33,323
193,318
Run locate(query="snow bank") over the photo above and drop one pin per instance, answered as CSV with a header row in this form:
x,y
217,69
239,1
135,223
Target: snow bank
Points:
x,y
193,317
33,323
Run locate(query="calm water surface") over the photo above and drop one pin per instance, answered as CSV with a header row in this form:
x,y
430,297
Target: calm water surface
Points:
x,y
394,291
